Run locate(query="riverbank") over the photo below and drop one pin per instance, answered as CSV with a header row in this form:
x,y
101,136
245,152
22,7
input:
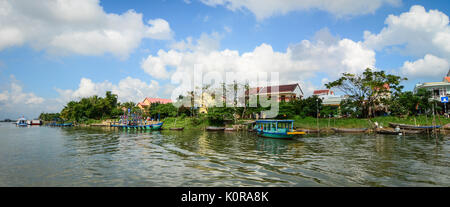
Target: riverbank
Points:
x,y
383,121
299,122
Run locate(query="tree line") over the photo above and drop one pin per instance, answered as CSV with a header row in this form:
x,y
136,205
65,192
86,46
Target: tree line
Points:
x,y
372,93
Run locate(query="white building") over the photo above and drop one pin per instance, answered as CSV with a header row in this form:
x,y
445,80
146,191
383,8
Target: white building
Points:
x,y
438,89
328,97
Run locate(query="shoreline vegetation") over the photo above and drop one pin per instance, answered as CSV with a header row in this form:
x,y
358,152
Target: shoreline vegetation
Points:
x,y
306,123
371,97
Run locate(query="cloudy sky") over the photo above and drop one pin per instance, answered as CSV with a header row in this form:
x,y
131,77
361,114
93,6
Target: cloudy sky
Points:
x,y
53,51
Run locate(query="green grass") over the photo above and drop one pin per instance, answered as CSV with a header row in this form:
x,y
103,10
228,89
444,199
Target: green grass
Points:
x,y
186,122
310,122
307,122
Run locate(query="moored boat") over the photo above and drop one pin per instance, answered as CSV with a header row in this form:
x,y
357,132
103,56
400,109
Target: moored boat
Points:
x,y
407,126
229,129
60,125
281,129
309,131
349,130
400,132
157,126
35,122
214,128
176,128
22,122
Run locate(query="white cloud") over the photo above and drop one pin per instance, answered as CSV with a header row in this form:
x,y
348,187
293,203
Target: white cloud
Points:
x,y
14,95
75,26
429,66
128,89
266,8
416,32
299,62
14,102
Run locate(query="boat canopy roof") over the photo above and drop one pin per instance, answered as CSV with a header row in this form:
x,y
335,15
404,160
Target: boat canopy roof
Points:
x,y
274,121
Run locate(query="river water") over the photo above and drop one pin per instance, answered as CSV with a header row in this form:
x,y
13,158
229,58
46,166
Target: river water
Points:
x,y
44,156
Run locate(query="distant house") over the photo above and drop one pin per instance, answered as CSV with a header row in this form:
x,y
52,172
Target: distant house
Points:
x,y
438,89
328,97
285,92
148,101
325,92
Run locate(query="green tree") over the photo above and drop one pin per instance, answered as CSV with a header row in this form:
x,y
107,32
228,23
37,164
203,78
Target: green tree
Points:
x,y
369,89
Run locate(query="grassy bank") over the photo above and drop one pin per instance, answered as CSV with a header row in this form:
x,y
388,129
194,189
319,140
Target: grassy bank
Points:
x,y
310,122
186,122
307,122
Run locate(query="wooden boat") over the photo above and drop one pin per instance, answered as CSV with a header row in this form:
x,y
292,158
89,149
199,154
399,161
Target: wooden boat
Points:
x,y
309,131
280,129
349,130
407,126
213,128
60,125
229,129
157,126
393,132
176,128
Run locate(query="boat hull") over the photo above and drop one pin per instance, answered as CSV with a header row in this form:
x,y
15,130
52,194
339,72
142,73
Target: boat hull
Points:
x,y
406,126
338,130
215,128
393,132
156,126
275,135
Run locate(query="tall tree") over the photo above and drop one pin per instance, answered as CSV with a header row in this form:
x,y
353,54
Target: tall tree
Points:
x,y
369,89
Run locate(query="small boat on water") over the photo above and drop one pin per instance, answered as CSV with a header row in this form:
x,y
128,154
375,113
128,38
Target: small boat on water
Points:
x,y
407,126
22,122
60,125
281,129
157,126
229,129
401,132
36,122
176,128
213,128
350,130
309,131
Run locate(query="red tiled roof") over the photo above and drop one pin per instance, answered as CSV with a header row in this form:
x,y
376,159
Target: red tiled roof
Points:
x,y
268,89
317,92
155,100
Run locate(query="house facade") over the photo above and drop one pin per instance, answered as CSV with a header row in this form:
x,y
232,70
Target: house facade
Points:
x,y
284,93
148,101
438,89
328,97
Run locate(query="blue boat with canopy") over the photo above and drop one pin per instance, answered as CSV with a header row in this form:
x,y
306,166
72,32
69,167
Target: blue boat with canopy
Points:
x,y
280,129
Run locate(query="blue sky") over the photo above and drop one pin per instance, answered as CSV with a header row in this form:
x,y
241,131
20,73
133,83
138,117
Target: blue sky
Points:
x,y
56,53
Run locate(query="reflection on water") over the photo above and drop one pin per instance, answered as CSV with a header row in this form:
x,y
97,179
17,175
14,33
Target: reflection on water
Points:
x,y
43,156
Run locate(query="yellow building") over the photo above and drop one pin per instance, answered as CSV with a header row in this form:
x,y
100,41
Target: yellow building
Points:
x,y
148,101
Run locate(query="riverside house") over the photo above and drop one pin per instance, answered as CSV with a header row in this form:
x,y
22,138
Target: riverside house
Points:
x,y
148,101
328,97
285,92
438,89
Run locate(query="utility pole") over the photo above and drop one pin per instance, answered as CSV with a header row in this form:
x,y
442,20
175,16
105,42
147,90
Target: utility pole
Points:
x,y
317,105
